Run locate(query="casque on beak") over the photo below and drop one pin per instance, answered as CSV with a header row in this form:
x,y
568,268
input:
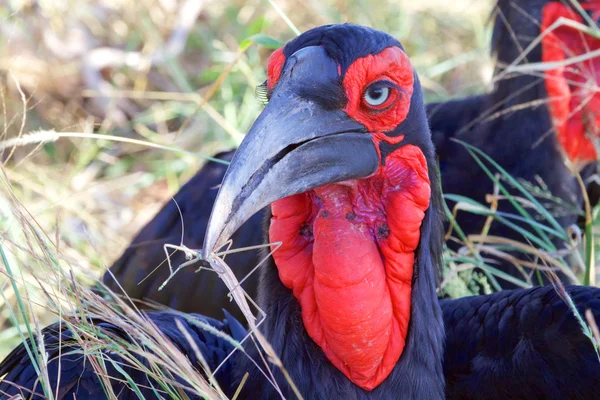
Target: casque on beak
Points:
x,y
295,145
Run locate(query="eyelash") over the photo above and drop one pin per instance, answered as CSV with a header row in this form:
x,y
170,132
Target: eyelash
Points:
x,y
391,85
262,93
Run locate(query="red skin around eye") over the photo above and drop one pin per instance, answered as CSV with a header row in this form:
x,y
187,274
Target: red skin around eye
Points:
x,y
276,62
573,102
392,65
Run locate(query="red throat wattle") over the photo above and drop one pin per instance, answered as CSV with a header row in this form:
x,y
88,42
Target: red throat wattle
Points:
x,y
348,251
572,89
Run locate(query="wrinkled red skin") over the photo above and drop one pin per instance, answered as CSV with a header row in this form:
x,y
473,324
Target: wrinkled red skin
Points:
x,y
573,106
393,65
348,256
348,249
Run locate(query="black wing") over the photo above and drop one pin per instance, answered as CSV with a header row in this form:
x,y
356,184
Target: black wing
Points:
x,y
188,291
72,375
521,344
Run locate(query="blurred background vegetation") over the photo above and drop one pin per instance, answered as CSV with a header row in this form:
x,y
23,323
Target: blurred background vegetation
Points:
x,y
180,74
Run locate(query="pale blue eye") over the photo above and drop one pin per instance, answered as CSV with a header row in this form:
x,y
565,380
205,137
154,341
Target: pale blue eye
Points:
x,y
377,95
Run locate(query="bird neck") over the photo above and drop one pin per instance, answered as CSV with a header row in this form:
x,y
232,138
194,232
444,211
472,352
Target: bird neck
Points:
x,y
348,253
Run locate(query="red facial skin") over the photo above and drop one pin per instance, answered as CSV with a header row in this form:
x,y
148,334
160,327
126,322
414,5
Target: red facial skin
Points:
x,y
574,105
393,65
274,68
348,249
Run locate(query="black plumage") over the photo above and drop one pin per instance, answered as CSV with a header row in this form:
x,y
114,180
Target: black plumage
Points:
x,y
521,344
510,345
70,365
518,344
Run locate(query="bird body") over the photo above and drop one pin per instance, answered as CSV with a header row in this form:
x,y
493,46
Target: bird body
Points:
x,y
525,344
356,204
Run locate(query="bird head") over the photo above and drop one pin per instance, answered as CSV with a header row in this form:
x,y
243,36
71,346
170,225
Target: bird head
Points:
x,y
342,98
342,152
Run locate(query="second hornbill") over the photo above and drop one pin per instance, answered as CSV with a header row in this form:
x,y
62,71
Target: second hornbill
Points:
x,y
512,124
343,155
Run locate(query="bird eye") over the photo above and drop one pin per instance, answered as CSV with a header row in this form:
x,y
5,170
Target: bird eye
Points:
x,y
380,95
376,95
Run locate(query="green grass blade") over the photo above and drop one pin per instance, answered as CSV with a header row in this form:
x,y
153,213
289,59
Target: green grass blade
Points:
x,y
491,270
261,39
590,258
32,352
539,207
479,209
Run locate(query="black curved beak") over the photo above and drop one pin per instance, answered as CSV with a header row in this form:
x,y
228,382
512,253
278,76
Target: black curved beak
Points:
x,y
295,145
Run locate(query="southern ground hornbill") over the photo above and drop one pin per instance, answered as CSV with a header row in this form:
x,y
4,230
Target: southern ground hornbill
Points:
x,y
512,124
343,154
